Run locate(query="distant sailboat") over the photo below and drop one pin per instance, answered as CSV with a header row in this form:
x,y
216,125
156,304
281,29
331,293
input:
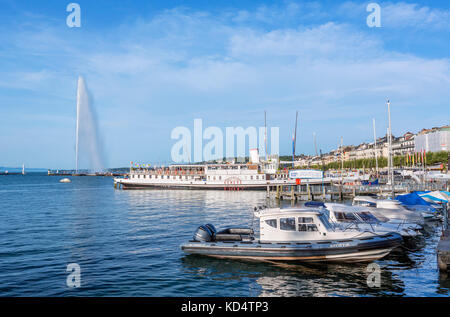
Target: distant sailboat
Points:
x,y
23,169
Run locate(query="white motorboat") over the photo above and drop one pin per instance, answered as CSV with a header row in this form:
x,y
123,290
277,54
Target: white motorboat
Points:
x,y
390,209
65,180
361,218
394,209
294,234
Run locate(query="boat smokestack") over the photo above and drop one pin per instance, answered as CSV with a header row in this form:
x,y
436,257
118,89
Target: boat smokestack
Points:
x,y
254,156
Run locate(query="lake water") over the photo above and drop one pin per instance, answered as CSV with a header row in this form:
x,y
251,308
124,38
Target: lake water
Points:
x,y
127,243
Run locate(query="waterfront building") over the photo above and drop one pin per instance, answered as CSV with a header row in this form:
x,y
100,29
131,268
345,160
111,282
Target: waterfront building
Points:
x,y
433,140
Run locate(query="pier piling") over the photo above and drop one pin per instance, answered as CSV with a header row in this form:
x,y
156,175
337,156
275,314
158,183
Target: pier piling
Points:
x,y
443,247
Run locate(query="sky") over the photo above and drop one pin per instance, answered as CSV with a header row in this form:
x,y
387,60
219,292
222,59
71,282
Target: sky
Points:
x,y
152,66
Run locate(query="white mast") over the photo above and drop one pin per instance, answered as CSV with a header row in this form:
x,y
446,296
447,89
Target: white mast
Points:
x,y
375,146
342,160
294,138
265,134
78,123
390,161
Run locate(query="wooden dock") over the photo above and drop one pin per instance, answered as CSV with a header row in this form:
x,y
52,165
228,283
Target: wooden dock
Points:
x,y
307,192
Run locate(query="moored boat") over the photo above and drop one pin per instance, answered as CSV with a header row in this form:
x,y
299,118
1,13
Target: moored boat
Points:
x,y
294,234
361,218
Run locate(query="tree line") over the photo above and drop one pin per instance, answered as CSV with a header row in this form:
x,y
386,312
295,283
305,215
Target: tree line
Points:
x,y
432,158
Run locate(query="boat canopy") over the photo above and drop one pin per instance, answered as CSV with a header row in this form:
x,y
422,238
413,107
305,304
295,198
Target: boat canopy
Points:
x,y
412,199
435,197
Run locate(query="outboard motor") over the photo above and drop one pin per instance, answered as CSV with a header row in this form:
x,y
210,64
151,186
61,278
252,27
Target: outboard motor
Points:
x,y
212,228
204,234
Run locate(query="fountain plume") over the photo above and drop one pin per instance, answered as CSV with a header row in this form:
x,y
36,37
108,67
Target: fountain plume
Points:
x,y
88,148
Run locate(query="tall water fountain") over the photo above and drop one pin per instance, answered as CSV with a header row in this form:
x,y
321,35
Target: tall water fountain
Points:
x,y
88,149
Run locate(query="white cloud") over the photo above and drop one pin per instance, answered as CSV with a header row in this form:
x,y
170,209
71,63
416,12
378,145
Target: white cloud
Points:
x,y
413,15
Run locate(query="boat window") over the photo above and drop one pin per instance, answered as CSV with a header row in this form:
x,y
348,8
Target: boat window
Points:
x,y
272,222
287,224
367,216
366,203
305,220
345,216
306,224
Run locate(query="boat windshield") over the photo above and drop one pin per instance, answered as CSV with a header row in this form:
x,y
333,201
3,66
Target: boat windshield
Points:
x,y
326,223
367,217
364,203
345,217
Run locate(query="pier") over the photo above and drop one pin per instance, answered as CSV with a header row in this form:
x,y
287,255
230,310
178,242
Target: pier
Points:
x,y
336,191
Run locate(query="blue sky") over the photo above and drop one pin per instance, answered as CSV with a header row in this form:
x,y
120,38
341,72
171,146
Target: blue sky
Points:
x,y
154,65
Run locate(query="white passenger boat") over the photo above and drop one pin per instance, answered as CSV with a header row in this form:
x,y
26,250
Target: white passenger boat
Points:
x,y
294,234
205,176
363,219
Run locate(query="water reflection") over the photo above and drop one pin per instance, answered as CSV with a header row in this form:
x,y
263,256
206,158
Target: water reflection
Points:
x,y
295,279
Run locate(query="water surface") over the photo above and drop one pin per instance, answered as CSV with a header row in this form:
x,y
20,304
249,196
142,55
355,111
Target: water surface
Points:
x,y
127,243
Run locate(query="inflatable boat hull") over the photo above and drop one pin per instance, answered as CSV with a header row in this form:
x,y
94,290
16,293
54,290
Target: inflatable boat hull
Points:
x,y
352,250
